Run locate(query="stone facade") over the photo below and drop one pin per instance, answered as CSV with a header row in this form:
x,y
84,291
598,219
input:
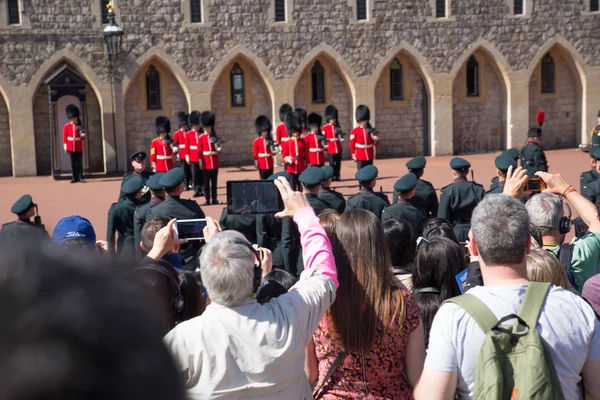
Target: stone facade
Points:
x,y
5,162
94,129
196,54
43,143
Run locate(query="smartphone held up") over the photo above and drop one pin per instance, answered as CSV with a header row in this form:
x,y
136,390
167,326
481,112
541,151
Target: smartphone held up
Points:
x,y
253,197
535,185
189,229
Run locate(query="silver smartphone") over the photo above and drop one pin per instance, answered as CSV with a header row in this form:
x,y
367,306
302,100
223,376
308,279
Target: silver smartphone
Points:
x,y
189,229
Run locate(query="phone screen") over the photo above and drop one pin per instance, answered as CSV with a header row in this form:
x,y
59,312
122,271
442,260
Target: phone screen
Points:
x,y
191,229
534,184
253,197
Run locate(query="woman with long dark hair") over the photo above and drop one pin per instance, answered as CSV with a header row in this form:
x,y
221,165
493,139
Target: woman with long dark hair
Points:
x,y
437,263
373,330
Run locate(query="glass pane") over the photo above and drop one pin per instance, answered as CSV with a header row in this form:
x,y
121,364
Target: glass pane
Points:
x,y
196,11
238,99
440,8
279,10
238,82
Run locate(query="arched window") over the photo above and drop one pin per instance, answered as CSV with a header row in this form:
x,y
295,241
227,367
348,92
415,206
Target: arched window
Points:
x,y
318,83
361,9
279,10
152,89
238,98
472,77
396,84
548,81
594,5
518,7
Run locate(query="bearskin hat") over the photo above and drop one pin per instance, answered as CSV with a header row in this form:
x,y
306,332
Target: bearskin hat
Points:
x,y
72,111
207,118
194,118
182,118
162,124
362,113
263,123
292,123
283,110
314,119
331,112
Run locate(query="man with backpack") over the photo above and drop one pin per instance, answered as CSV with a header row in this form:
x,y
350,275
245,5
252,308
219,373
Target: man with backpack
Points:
x,y
477,350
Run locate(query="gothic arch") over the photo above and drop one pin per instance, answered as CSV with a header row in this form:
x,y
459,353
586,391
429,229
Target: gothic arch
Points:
x,y
575,57
492,52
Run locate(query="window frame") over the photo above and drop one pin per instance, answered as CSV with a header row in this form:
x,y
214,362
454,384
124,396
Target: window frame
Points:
x,y
519,5
192,5
436,8
472,65
236,70
396,71
594,6
8,14
319,71
280,4
157,90
547,62
359,4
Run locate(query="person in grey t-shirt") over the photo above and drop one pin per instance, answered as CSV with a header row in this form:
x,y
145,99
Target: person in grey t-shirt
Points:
x,y
500,237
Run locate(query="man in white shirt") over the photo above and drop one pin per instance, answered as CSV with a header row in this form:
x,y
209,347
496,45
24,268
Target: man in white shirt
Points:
x,y
499,236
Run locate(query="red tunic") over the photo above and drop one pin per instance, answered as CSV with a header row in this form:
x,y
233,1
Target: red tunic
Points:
x,y
72,138
208,152
334,144
316,151
281,134
192,138
262,153
294,153
362,145
180,142
161,155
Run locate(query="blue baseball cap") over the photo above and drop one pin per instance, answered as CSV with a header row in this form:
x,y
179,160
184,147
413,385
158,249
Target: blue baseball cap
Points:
x,y
74,227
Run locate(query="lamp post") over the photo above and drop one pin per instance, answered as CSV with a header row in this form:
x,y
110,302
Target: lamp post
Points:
x,y
113,34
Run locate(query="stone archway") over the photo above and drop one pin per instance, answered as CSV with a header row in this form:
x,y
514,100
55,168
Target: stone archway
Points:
x,y
235,121
6,161
479,105
140,115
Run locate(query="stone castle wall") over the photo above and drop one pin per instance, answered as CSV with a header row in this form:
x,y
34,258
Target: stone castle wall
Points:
x,y
6,160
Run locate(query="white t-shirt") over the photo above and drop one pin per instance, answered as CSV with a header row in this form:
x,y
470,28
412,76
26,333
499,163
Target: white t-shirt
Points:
x,y
567,324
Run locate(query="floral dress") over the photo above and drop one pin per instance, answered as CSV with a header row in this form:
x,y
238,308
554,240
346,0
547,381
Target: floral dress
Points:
x,y
384,366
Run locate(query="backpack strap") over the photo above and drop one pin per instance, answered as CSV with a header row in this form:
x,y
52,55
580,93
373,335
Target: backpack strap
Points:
x,y
477,310
533,302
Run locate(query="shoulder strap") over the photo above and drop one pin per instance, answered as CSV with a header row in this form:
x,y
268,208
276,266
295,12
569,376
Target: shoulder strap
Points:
x,y
332,368
533,301
477,310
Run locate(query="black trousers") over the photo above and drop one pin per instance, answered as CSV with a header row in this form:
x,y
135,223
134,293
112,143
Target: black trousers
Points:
x,y
265,173
188,172
335,161
197,177
210,184
360,164
296,185
76,165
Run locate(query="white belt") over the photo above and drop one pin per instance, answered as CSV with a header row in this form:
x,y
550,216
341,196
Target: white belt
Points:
x,y
209,153
315,150
164,157
74,139
364,146
182,146
193,147
285,139
333,140
265,155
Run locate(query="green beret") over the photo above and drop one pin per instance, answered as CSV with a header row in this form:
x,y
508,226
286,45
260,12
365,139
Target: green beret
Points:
x,y
276,175
138,156
512,153
172,179
22,205
154,181
595,152
596,137
366,174
312,176
132,185
504,162
534,132
459,164
418,162
328,170
406,183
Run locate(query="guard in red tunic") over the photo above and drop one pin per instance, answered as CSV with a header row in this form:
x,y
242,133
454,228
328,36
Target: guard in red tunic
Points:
x,y
294,151
363,138
335,137
180,143
73,137
192,138
262,148
302,114
281,135
209,149
161,150
315,141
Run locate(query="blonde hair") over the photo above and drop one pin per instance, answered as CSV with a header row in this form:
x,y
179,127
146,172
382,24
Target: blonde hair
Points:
x,y
544,267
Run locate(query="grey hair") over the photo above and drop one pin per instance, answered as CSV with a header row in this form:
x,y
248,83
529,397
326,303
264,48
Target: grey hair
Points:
x,y
500,226
227,268
545,211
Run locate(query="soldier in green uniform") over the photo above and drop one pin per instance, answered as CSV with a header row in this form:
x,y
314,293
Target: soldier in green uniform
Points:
x,y
367,198
142,212
311,179
591,175
591,190
120,218
327,194
459,199
503,163
138,163
242,223
22,228
533,158
176,207
405,187
513,154
425,200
